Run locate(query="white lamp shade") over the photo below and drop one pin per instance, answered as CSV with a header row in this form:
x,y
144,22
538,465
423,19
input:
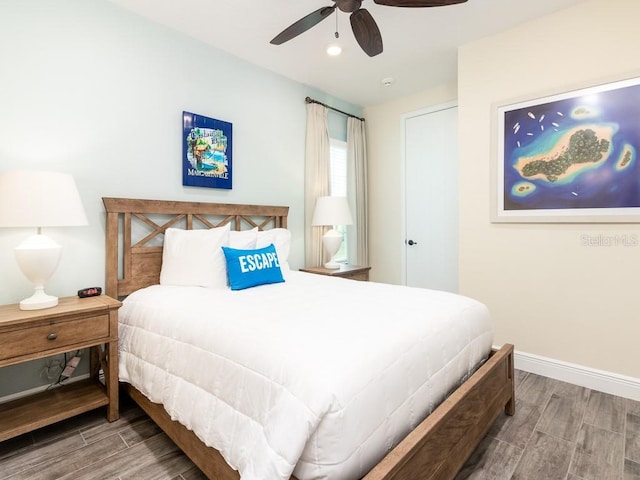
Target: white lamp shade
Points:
x,y
39,199
332,211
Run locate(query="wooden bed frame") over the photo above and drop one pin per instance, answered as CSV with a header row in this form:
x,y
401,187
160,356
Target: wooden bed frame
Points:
x,y
435,450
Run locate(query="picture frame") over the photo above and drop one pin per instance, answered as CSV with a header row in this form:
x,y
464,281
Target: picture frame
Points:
x,y
568,156
207,151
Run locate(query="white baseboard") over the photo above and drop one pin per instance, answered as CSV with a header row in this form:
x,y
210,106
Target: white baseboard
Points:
x,y
607,382
41,388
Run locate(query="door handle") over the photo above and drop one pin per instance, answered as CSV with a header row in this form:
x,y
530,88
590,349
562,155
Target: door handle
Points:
x,y
411,242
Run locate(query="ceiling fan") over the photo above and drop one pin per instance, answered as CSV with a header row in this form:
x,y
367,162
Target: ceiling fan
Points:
x,y
363,25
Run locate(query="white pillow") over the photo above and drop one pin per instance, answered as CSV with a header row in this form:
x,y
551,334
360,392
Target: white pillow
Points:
x,y
194,257
243,239
281,238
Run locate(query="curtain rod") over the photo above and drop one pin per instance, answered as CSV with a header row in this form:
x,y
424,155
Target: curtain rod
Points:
x,y
311,100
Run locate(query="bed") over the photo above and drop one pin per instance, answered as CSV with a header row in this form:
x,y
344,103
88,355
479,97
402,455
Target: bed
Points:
x,y
434,447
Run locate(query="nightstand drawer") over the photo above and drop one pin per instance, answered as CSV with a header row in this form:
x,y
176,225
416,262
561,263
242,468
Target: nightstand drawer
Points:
x,y
361,276
52,335
351,272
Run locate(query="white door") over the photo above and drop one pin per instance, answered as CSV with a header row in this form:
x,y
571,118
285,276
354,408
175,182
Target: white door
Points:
x,y
431,198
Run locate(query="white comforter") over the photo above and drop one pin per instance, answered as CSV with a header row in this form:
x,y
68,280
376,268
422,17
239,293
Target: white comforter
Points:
x,y
318,375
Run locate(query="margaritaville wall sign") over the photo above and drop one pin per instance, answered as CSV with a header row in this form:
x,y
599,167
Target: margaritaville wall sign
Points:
x,y
207,149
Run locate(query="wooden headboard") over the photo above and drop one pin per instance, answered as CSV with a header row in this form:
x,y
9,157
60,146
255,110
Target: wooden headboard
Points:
x,y
135,233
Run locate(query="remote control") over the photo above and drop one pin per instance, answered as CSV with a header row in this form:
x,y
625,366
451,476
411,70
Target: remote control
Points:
x,y
89,292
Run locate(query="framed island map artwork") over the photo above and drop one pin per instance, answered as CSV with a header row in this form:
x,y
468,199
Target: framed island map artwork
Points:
x,y
569,157
206,151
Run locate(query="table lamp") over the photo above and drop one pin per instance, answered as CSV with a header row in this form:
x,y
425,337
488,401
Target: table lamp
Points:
x,y
332,211
39,199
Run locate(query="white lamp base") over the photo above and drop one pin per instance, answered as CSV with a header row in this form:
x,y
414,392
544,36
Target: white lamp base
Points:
x,y
332,241
39,300
38,257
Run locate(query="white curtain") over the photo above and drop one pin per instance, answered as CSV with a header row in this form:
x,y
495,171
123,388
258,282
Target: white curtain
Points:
x,y
316,173
357,156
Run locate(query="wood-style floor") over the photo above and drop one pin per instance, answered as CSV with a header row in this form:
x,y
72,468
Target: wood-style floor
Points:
x,y
560,431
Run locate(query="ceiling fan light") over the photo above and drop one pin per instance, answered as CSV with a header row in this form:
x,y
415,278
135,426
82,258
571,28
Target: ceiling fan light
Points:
x,y
334,50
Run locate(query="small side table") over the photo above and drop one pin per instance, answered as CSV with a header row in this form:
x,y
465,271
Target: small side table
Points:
x,y
352,272
75,323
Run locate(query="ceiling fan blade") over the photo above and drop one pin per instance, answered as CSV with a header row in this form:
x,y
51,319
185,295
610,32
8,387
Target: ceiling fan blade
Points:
x,y
418,3
366,32
302,25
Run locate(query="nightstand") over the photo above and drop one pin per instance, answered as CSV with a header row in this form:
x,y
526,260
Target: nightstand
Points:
x,y
74,324
352,272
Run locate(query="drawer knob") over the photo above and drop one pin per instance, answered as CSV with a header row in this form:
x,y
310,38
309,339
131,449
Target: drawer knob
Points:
x,y
52,336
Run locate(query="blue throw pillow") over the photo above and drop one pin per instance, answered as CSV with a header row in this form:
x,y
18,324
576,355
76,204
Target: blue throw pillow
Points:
x,y
249,268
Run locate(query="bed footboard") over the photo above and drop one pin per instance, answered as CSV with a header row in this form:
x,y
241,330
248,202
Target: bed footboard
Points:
x,y
435,450
438,448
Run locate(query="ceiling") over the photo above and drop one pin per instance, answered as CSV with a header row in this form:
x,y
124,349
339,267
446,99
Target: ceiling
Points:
x,y
419,43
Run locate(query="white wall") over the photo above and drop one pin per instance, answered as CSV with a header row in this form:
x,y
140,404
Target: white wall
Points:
x,y
90,89
548,294
93,90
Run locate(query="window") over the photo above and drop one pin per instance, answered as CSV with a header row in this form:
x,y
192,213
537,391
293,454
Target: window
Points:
x,y
338,185
338,166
